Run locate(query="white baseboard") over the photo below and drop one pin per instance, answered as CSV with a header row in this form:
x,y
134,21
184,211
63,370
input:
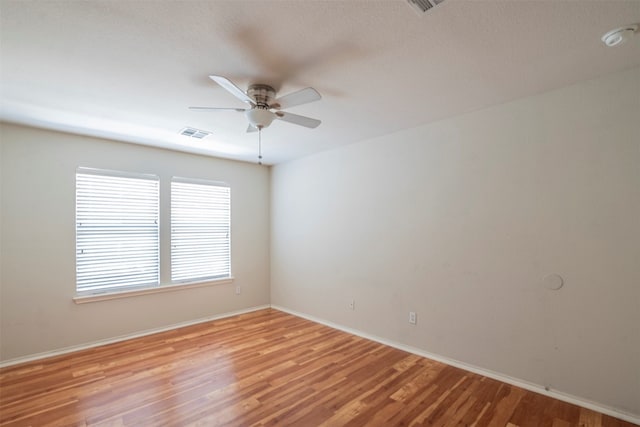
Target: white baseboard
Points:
x,y
98,343
632,418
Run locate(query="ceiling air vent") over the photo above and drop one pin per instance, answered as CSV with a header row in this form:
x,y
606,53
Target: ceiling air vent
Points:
x,y
424,5
194,133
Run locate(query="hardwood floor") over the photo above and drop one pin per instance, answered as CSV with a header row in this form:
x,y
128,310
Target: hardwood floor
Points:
x,y
266,368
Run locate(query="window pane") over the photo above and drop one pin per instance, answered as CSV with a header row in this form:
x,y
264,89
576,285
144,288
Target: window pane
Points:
x,y
117,232
200,231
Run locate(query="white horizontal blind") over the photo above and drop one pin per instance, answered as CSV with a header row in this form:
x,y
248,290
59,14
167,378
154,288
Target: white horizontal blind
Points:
x,y
117,231
200,230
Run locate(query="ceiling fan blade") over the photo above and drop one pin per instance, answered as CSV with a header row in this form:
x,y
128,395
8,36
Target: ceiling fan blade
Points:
x,y
298,120
216,109
300,97
232,89
251,129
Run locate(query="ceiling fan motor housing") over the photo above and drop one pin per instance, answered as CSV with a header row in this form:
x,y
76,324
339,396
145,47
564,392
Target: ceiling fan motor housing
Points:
x,y
262,94
260,117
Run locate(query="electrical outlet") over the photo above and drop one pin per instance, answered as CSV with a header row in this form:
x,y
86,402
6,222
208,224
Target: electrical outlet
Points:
x,y
238,290
352,304
413,318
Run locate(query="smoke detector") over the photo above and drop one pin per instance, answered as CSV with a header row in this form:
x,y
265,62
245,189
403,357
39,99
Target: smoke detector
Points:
x,y
619,35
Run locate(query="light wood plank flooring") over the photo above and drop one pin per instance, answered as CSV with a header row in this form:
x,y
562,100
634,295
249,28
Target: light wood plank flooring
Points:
x,y
266,368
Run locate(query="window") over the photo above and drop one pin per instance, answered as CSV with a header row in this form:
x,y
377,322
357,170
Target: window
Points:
x,y
117,231
200,230
118,234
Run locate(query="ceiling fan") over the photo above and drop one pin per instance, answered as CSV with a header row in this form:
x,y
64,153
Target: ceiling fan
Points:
x,y
262,100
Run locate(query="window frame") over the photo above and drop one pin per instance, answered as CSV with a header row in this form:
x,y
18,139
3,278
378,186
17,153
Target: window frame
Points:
x,y
82,291
164,283
172,261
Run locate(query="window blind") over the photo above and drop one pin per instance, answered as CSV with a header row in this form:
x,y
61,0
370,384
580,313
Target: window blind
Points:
x,y
200,230
117,231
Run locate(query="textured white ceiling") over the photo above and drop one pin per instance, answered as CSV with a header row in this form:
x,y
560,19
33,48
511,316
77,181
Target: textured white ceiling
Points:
x,y
128,70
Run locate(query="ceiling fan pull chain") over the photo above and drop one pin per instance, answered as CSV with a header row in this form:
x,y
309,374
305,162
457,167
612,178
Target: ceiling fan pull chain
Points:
x,y
259,145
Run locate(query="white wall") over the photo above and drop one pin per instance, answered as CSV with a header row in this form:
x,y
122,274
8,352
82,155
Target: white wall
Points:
x,y
38,241
460,220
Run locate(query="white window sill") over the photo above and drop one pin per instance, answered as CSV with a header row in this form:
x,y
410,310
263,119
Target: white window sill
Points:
x,y
83,299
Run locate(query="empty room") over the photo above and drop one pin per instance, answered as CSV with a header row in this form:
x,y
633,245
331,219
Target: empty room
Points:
x,y
320,213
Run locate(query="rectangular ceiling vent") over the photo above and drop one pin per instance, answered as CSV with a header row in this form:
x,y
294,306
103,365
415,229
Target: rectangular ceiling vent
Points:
x,y
423,6
194,133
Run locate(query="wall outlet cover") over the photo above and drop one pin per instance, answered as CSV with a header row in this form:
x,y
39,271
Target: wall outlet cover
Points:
x,y
413,318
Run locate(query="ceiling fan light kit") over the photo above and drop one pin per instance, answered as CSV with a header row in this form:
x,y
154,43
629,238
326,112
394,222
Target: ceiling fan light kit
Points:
x,y
262,99
259,118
